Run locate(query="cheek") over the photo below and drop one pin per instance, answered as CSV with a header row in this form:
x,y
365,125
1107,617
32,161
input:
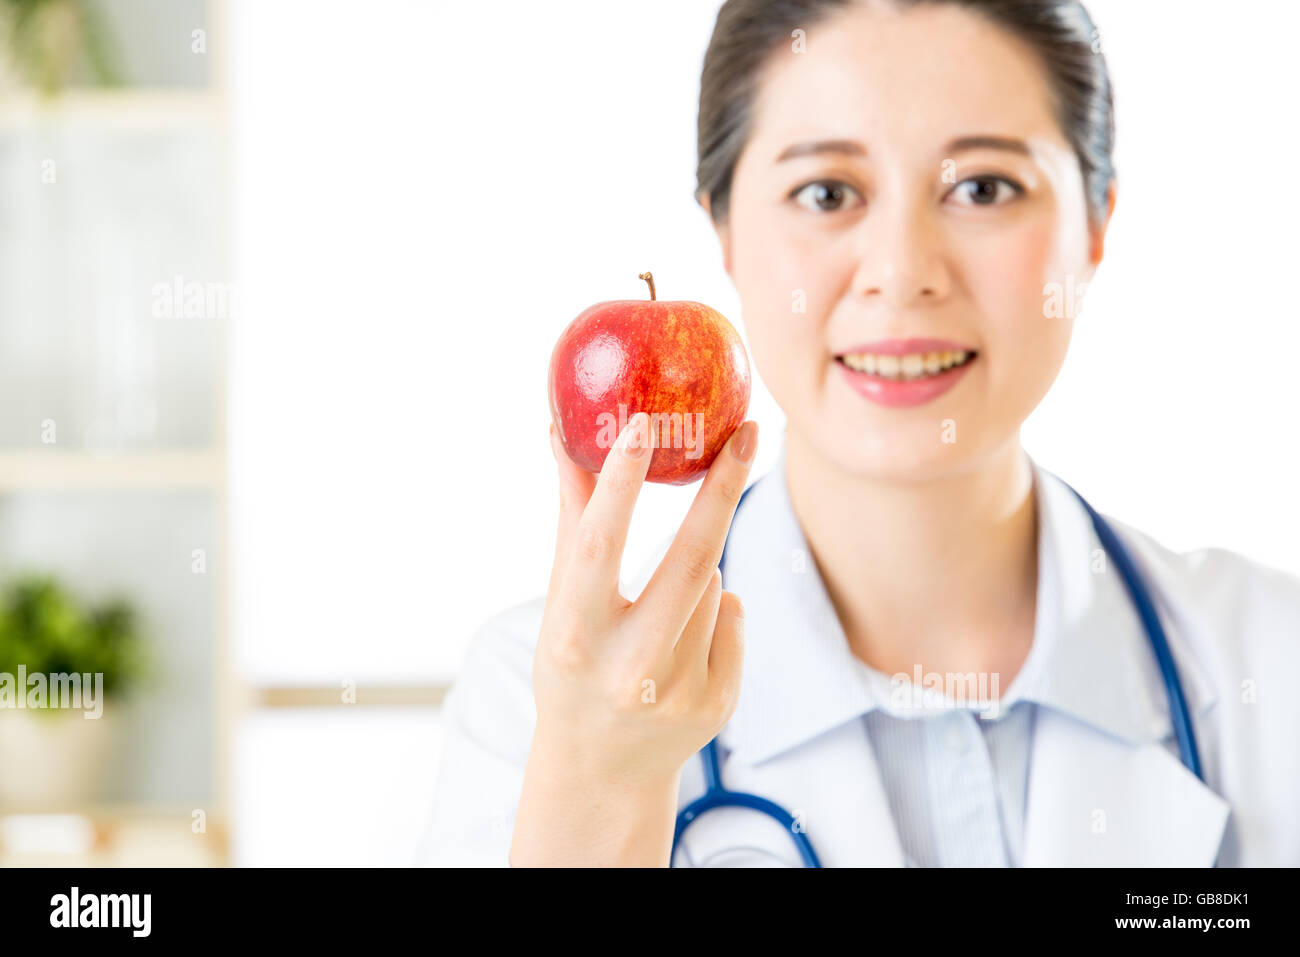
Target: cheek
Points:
x,y
1012,279
786,288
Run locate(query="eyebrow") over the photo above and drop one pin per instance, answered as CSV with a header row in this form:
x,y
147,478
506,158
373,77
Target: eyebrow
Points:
x,y
1008,143
848,147
854,148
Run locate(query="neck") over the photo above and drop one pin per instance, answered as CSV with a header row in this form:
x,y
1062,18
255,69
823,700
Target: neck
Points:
x,y
939,573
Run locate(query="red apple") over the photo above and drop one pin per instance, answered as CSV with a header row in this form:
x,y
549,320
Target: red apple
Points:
x,y
679,361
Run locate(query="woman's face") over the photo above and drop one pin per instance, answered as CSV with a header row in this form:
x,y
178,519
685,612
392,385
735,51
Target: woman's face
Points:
x,y
944,202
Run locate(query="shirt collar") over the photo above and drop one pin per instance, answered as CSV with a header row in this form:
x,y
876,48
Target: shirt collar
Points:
x,y
1090,657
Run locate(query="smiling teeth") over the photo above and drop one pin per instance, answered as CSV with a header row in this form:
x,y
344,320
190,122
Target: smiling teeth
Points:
x,y
912,366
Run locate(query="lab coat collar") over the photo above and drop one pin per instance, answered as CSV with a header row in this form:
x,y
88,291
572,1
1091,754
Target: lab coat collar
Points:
x,y
1090,659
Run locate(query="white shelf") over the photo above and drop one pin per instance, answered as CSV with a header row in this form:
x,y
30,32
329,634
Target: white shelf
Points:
x,y
41,470
112,836
112,106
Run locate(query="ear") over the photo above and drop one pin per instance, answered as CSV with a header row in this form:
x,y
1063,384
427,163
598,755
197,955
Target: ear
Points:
x,y
723,230
1097,246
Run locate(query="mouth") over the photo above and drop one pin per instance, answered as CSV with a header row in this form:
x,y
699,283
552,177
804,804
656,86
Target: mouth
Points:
x,y
907,367
899,373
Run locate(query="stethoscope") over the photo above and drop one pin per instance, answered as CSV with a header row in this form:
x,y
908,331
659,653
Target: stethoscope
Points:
x,y
716,796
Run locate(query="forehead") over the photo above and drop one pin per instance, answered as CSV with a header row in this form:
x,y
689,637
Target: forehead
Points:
x,y
908,77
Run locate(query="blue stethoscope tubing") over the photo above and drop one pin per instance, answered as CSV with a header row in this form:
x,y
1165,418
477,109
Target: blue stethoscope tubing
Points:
x,y
716,796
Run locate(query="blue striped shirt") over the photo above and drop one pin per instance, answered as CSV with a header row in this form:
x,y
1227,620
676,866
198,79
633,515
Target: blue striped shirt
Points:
x,y
956,784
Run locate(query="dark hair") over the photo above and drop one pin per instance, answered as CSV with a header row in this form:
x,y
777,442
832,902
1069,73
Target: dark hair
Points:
x,y
748,31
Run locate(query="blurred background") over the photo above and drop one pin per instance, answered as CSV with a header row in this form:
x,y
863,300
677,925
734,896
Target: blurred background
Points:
x,y
278,286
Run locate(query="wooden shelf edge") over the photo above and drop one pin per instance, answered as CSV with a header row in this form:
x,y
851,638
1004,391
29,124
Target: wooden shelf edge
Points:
x,y
367,696
39,470
114,811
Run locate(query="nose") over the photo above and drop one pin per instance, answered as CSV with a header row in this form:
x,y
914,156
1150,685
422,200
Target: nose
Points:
x,y
901,256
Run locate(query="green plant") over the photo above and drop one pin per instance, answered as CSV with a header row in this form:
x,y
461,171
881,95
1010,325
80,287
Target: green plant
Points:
x,y
46,630
47,39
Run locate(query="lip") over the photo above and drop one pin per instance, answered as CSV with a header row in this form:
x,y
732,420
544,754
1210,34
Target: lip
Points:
x,y
903,347
901,394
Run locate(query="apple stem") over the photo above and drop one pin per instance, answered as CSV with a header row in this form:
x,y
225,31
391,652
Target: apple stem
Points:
x,y
651,280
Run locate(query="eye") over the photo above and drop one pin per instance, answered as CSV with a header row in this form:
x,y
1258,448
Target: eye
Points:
x,y
824,196
986,191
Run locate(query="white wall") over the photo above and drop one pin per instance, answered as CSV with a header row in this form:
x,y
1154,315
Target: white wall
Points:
x,y
1200,448
426,195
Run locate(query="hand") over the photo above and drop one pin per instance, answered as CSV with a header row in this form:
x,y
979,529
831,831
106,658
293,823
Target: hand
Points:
x,y
627,692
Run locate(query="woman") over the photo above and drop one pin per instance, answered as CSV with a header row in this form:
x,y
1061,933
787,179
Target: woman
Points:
x,y
898,189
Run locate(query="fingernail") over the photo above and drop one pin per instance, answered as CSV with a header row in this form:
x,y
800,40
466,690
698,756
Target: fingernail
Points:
x,y
635,443
744,442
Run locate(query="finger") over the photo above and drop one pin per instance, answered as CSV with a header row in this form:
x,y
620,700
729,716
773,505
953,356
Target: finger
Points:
x,y
727,652
576,486
597,549
678,583
693,646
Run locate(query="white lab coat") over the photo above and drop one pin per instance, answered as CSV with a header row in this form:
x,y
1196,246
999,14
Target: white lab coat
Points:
x,y
1105,785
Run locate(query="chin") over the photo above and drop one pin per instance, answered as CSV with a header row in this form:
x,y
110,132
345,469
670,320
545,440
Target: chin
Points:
x,y
906,464
919,448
